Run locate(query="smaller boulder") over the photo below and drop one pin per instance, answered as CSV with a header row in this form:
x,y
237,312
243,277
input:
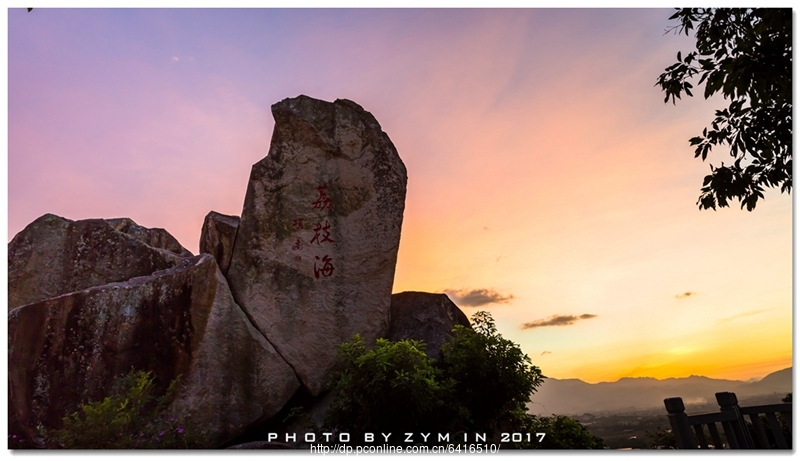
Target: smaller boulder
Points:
x,y
155,237
53,256
217,237
428,317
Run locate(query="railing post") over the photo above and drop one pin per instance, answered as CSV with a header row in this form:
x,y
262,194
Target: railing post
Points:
x,y
729,403
684,438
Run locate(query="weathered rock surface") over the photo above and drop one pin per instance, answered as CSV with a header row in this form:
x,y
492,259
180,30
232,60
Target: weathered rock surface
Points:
x,y
236,377
428,317
155,237
53,256
180,321
314,258
217,237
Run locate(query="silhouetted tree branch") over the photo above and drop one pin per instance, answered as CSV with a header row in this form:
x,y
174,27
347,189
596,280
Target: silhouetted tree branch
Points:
x,y
746,54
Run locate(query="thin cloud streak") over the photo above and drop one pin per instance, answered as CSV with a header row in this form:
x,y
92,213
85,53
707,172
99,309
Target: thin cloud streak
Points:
x,y
478,297
557,320
743,314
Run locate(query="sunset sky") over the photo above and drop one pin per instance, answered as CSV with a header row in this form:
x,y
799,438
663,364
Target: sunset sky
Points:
x,y
547,179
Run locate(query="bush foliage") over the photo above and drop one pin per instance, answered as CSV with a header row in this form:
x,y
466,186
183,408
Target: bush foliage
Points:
x,y
393,387
481,384
131,417
493,377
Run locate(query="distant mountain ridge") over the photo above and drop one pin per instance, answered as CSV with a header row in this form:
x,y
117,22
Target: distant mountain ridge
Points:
x,y
576,397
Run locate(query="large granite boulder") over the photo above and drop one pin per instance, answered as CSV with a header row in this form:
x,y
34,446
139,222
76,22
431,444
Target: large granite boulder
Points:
x,y
53,256
314,258
217,237
155,237
428,317
180,321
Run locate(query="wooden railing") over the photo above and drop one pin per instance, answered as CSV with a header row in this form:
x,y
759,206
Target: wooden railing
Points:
x,y
739,433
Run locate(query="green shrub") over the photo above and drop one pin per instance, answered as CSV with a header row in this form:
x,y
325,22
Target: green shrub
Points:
x,y
393,387
494,378
481,384
132,417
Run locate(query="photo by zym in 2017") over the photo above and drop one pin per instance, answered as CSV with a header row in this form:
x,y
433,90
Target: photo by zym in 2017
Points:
x,y
327,231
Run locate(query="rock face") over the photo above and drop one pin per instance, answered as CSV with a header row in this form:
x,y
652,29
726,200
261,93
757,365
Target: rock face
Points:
x,y
217,237
314,258
180,321
53,256
155,237
428,317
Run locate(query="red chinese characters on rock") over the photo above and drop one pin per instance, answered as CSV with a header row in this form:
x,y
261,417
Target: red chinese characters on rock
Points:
x,y
323,201
323,232
323,267
326,270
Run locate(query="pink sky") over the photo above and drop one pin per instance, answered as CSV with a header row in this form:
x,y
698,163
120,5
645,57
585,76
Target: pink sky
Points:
x,y
543,164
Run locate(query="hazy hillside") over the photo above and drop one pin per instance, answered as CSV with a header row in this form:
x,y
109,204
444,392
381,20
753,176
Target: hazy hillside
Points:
x,y
575,397
773,382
